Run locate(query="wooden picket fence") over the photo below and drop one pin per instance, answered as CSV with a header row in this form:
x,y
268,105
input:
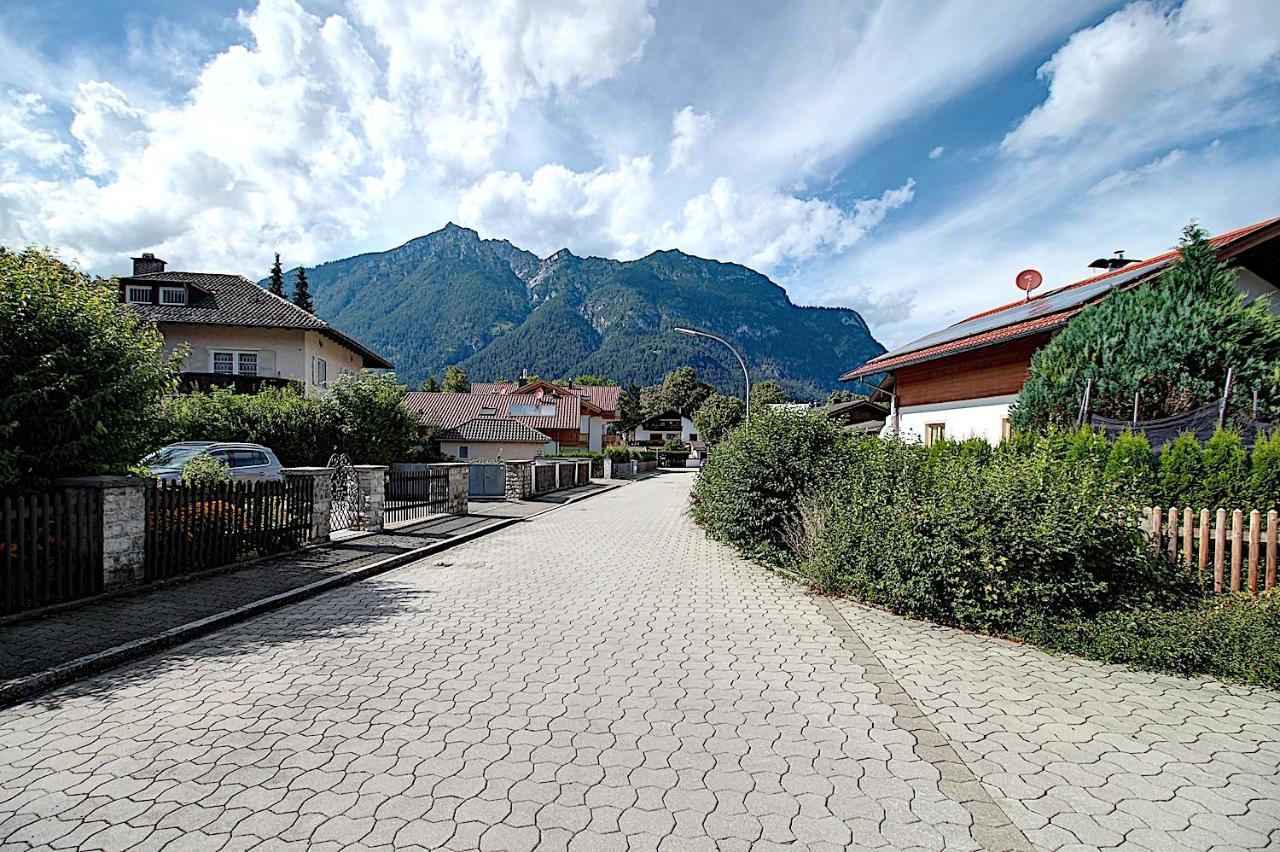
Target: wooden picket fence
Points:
x,y
1231,551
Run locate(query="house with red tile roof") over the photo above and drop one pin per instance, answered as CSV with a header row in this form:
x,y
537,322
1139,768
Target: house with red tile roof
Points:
x,y
597,409
960,381
568,419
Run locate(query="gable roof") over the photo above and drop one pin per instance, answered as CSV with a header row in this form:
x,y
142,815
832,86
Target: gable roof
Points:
x,y
449,410
505,430
233,300
603,397
1047,311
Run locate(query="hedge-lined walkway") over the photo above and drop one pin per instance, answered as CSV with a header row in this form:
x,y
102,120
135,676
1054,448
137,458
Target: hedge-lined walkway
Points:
x,y
606,677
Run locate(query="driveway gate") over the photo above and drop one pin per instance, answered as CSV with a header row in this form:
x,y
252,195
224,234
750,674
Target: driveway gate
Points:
x,y
488,480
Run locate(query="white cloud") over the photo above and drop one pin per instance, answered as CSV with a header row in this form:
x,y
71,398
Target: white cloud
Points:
x,y
625,212
936,152
689,129
296,138
1127,177
22,135
1140,64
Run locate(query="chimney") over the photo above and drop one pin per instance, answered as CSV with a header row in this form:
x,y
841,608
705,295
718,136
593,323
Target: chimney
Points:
x,y
147,264
524,375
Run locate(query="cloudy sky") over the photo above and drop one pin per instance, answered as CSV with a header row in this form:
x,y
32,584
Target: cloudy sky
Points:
x,y
905,159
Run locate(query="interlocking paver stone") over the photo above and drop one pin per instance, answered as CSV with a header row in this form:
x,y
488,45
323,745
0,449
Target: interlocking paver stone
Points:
x,y
607,677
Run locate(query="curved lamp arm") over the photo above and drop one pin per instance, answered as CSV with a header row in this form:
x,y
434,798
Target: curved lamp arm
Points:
x,y
746,376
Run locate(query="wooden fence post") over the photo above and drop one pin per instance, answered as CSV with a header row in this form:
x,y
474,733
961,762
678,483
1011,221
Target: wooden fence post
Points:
x,y
1255,536
1237,546
1271,549
1157,514
1219,549
1203,555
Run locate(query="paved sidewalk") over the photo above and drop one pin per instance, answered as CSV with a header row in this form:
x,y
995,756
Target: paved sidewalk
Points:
x,y
606,677
44,641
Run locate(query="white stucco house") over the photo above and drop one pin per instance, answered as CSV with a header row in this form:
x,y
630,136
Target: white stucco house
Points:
x,y
959,382
239,335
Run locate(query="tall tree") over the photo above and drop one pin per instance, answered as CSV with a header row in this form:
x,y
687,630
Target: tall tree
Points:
x,y
717,417
81,376
1170,341
277,278
431,385
768,392
302,292
630,414
455,380
682,392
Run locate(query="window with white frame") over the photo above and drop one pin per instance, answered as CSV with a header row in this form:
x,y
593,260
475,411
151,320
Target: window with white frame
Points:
x,y
139,295
173,296
237,362
319,372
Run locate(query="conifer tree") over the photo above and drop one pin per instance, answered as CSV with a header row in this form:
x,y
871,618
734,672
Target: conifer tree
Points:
x,y
277,278
1170,341
302,292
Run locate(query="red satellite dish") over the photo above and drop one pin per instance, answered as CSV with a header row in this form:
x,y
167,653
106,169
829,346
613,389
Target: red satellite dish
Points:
x,y
1028,280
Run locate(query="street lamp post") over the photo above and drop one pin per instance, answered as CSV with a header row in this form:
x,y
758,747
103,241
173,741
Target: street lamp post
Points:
x,y
746,376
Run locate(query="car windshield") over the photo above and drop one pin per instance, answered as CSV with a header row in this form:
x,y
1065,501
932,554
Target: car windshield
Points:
x,y
173,456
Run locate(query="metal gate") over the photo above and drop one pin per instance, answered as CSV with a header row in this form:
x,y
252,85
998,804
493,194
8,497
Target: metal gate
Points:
x,y
347,507
487,480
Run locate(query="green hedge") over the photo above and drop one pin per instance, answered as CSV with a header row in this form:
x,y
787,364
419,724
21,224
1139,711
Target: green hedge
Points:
x,y
1038,538
1236,637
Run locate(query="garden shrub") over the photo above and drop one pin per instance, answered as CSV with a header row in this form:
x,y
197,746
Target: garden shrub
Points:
x,y
1087,447
1234,637
1130,465
618,454
749,490
1226,471
205,470
1264,472
1181,472
80,373
364,417
982,544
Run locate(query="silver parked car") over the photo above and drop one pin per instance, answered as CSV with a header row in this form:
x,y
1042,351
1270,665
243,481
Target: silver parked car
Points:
x,y
248,462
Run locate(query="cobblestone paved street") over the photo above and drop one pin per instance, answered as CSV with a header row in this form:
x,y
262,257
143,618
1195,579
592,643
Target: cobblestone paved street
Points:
x,y
606,677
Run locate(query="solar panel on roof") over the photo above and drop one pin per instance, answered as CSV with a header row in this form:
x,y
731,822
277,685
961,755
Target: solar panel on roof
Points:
x,y
1046,305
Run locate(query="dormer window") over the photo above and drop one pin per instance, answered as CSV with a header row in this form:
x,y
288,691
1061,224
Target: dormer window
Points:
x,y
138,295
173,295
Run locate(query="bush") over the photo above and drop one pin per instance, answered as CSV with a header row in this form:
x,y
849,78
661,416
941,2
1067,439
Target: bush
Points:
x,y
1233,637
618,454
1181,475
1084,446
717,417
204,470
1264,472
748,493
1226,471
985,544
364,417
80,373
1130,465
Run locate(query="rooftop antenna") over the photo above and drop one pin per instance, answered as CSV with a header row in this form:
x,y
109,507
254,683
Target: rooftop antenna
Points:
x,y
1110,263
1028,280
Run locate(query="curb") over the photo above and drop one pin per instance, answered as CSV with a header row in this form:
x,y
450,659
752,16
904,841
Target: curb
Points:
x,y
20,689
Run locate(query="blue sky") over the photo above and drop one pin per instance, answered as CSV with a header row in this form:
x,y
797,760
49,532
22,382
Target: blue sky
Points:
x,y
905,159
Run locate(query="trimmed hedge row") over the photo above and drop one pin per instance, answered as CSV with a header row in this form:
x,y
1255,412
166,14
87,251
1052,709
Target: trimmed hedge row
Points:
x,y
1037,538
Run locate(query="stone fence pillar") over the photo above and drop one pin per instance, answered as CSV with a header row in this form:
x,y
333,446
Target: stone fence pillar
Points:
x,y
373,492
321,497
459,486
124,525
519,479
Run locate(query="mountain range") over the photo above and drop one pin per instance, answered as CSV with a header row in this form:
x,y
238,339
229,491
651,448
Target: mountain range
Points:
x,y
451,297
